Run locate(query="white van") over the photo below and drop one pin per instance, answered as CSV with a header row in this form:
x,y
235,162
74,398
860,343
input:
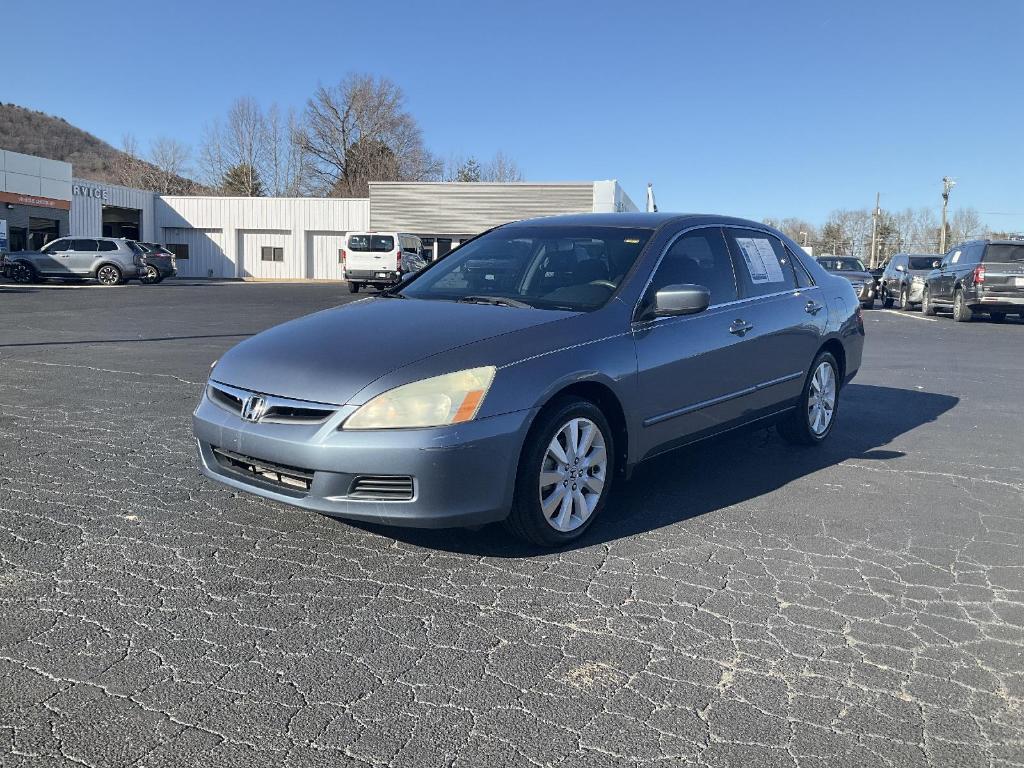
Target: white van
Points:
x,y
380,258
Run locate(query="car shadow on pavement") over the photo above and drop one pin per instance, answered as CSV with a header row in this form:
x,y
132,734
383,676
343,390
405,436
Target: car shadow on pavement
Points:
x,y
716,474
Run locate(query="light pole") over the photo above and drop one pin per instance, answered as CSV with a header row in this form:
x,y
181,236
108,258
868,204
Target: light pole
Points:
x,y
804,236
874,228
947,184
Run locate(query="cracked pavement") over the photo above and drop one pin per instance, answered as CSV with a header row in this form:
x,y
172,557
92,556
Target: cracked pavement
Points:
x,y
742,603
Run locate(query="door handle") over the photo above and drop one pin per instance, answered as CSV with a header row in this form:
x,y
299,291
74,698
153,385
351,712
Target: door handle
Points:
x,y
740,327
812,307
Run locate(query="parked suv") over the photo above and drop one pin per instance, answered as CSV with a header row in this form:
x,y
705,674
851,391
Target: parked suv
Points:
x,y
160,263
109,260
978,276
380,258
902,281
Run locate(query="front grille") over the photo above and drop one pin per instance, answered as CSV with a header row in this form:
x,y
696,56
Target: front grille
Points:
x,y
382,488
292,478
279,410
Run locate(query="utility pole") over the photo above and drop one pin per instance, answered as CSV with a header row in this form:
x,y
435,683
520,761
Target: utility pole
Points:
x,y
947,184
874,229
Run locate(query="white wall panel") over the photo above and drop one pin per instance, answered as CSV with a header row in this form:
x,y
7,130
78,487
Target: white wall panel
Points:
x,y
322,250
250,245
207,257
89,197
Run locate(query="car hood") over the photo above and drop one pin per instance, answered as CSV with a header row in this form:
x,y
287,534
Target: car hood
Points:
x,y
851,276
330,356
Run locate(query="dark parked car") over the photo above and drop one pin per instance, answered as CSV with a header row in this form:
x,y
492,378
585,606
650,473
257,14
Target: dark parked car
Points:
x,y
518,376
902,281
160,263
978,276
854,271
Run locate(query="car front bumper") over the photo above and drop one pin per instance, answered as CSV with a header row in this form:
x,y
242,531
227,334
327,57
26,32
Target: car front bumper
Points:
x,y
461,475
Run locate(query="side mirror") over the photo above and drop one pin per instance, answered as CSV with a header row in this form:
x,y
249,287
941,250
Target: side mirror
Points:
x,y
686,299
936,264
900,268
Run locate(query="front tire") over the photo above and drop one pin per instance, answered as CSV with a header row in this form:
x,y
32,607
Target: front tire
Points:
x,y
812,421
565,474
353,287
905,299
927,308
961,312
108,275
22,273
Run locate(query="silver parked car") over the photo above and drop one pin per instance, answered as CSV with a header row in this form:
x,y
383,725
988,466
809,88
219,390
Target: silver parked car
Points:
x,y
516,378
108,260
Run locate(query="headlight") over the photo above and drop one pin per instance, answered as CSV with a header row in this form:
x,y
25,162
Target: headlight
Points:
x,y
448,399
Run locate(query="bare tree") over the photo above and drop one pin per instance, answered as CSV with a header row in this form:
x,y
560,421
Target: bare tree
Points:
x,y
501,168
240,145
130,169
358,131
286,172
965,224
169,158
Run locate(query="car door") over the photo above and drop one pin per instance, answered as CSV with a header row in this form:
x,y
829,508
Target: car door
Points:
x,y
82,256
53,257
947,277
692,371
786,314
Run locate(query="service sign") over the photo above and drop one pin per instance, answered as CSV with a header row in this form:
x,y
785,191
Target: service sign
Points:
x,y
87,190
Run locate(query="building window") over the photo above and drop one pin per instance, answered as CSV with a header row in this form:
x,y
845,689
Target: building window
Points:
x,y
271,253
180,250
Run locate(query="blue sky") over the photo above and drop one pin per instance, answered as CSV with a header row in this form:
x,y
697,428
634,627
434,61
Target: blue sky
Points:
x,y
749,108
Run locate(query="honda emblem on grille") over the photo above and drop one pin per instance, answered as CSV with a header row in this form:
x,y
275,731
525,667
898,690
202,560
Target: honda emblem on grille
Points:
x,y
253,408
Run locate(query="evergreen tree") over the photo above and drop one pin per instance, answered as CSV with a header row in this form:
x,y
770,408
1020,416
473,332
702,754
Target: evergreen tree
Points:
x,y
242,180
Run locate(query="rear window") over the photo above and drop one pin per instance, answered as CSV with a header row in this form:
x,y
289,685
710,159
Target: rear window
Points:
x,y
1004,253
924,262
374,243
842,264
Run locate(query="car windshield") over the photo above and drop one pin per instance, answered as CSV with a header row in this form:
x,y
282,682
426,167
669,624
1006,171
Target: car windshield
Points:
x,y
842,264
924,262
548,267
1004,253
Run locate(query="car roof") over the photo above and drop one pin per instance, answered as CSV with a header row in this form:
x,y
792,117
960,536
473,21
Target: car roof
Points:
x,y
634,219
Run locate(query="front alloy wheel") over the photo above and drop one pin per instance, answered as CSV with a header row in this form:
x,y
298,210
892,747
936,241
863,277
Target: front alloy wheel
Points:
x,y
905,299
572,474
565,473
926,304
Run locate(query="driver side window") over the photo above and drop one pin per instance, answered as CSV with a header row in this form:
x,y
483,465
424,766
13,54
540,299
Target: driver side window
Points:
x,y
698,258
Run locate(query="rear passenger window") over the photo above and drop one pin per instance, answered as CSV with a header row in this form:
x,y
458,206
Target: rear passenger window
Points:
x,y
763,264
698,258
106,245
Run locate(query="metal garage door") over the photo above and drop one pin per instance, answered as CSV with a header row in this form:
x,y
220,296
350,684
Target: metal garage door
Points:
x,y
206,257
322,251
268,254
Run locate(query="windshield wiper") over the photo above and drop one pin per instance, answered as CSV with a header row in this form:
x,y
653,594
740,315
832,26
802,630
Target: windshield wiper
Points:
x,y
498,301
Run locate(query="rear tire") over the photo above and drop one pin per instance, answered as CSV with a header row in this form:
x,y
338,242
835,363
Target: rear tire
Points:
x,y
961,312
575,482
151,276
997,317
353,287
812,421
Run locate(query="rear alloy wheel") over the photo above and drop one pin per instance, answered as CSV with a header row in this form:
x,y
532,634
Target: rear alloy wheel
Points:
x,y
151,276
813,419
926,304
961,312
108,275
565,474
997,317
21,272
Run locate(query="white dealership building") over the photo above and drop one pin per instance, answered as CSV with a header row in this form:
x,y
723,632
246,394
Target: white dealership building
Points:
x,y
289,238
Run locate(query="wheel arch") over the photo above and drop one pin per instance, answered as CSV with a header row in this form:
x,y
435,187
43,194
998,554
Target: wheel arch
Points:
x,y
835,347
605,398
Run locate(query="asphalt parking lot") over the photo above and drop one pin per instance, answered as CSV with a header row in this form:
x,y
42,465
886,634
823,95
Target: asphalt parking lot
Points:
x,y
743,603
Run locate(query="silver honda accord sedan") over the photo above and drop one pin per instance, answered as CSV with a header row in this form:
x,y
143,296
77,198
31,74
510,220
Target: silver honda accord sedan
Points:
x,y
519,377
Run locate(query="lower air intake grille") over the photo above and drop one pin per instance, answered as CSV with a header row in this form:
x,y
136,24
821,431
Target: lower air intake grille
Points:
x,y
382,487
292,478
